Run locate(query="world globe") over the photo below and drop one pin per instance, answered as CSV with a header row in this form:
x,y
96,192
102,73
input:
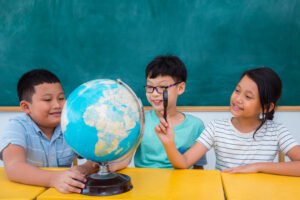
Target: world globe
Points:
x,y
102,121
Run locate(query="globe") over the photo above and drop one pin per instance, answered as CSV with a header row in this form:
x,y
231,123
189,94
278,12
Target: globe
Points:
x,y
102,121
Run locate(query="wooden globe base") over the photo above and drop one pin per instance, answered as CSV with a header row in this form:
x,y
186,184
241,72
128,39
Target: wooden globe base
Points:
x,y
107,184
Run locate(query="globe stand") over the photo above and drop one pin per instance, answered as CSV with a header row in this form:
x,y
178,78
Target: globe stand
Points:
x,y
105,183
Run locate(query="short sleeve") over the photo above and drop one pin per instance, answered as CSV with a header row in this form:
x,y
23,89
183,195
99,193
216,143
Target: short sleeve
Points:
x,y
207,136
14,133
285,139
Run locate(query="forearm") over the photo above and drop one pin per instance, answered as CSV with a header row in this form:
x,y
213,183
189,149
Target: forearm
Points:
x,y
283,168
176,158
119,165
29,174
87,168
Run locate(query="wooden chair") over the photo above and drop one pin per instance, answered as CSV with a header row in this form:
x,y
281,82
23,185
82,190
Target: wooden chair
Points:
x,y
281,157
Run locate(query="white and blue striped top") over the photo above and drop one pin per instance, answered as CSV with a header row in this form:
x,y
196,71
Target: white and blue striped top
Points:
x,y
233,148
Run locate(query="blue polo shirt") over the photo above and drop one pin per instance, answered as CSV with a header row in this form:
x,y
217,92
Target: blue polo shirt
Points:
x,y
40,151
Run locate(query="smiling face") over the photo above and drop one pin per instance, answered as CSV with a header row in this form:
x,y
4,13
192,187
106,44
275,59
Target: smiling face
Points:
x,y
46,105
156,99
245,100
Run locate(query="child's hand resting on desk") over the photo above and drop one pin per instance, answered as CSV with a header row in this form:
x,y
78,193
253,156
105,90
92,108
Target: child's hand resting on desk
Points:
x,y
250,168
68,181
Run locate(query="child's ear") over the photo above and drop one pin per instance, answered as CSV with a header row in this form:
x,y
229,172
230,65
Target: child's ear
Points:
x,y
25,107
272,107
181,88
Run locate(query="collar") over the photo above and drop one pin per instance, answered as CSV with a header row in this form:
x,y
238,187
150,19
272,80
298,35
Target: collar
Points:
x,y
56,134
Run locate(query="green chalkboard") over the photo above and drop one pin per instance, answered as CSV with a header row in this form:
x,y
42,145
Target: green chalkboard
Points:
x,y
81,40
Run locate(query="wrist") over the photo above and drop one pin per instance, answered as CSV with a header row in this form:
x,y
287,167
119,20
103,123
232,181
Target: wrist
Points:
x,y
260,167
51,178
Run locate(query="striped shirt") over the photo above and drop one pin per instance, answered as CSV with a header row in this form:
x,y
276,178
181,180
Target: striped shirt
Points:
x,y
40,151
233,148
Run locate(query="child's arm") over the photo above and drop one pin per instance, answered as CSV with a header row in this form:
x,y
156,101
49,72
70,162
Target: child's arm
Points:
x,y
165,133
14,158
291,168
87,168
116,166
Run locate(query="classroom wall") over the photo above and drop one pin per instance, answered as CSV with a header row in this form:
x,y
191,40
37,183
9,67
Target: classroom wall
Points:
x,y
289,119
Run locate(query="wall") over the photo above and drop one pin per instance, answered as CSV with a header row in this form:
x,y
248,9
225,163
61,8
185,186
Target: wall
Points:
x,y
289,119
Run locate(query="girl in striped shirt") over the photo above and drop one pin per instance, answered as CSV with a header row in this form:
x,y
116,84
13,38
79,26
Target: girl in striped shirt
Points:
x,y
250,140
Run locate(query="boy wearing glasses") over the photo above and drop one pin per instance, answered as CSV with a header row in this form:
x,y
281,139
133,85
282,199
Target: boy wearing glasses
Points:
x,y
166,73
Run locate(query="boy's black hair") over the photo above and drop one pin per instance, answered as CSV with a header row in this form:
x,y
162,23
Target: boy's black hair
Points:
x,y
269,88
167,66
30,79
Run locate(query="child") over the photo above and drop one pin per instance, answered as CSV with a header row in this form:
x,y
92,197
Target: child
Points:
x,y
166,73
34,139
250,140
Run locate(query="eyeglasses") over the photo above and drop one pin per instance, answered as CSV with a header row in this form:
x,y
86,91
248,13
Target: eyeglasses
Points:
x,y
158,89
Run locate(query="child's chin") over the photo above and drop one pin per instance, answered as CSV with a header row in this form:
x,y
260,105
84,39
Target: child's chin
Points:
x,y
158,109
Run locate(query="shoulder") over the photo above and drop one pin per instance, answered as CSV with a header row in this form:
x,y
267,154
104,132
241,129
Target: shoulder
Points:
x,y
193,118
219,123
21,125
272,126
20,120
192,121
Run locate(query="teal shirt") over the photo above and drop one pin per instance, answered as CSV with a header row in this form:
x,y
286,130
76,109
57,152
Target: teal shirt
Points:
x,y
151,153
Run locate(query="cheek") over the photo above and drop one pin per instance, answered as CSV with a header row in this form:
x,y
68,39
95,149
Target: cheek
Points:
x,y
232,97
148,96
63,103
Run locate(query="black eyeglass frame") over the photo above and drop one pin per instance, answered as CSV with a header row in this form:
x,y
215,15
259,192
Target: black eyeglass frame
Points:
x,y
147,87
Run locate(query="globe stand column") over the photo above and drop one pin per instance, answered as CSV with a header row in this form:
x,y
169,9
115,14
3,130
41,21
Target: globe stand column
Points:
x,y
105,183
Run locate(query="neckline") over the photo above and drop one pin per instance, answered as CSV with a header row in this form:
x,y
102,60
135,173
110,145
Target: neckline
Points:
x,y
239,133
177,125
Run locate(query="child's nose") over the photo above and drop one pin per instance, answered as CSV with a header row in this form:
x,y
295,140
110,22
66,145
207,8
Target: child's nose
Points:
x,y
239,99
57,103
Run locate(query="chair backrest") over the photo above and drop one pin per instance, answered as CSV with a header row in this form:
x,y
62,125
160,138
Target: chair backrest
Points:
x,y
75,161
281,156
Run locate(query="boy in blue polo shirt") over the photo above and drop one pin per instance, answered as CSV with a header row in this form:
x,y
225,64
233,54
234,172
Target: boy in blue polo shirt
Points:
x,y
34,139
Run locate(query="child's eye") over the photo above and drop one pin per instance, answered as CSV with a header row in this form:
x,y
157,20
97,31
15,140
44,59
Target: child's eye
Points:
x,y
46,99
237,90
248,97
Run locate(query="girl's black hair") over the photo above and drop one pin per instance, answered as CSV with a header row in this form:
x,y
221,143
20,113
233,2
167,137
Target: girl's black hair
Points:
x,y
269,88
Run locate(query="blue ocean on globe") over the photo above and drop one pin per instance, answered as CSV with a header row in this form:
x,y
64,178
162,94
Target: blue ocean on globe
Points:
x,y
102,120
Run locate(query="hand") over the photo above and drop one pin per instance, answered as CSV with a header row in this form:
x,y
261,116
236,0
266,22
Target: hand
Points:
x,y
250,168
165,131
79,169
68,181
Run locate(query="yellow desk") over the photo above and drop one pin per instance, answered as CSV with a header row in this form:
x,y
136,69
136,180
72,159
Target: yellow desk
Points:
x,y
160,184
260,186
11,190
